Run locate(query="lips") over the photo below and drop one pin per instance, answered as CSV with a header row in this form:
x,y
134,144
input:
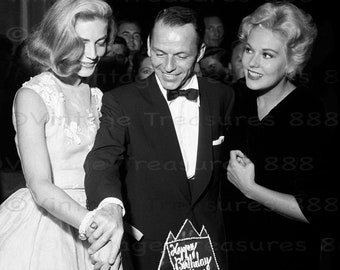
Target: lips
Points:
x,y
88,65
169,77
254,75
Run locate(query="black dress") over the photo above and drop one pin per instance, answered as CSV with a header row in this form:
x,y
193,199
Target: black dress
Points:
x,y
288,149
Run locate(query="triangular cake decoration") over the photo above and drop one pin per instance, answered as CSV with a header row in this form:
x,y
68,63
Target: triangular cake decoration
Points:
x,y
189,250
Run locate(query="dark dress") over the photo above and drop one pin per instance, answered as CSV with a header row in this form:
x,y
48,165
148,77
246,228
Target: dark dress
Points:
x,y
287,147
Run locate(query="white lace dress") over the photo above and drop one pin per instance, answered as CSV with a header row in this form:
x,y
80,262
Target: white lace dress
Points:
x,y
31,238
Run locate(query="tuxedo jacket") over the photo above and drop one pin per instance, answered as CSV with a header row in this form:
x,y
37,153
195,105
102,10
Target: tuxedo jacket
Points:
x,y
136,158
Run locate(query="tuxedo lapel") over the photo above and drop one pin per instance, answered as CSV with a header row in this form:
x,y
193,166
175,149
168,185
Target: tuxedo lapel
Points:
x,y
159,122
204,155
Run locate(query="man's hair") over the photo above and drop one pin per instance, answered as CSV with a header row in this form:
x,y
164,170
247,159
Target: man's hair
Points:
x,y
179,16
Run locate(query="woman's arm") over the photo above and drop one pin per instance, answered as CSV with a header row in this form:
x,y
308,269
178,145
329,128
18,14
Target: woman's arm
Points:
x,y
241,173
32,115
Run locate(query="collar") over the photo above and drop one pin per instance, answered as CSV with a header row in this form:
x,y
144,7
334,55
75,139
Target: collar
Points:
x,y
193,83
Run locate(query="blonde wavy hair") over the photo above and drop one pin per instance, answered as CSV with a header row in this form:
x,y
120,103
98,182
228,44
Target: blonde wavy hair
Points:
x,y
55,45
293,24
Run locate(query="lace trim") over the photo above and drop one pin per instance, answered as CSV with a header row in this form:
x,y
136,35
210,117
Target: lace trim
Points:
x,y
47,88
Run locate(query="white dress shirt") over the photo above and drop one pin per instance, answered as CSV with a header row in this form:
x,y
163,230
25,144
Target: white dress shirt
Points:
x,y
185,115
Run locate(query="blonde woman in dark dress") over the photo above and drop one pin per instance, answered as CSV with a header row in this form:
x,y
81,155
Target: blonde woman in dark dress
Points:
x,y
276,163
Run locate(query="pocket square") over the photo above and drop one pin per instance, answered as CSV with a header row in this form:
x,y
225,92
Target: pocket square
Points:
x,y
133,231
218,141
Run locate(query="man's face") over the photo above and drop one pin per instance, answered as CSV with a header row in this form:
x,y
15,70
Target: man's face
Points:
x,y
173,51
214,31
132,35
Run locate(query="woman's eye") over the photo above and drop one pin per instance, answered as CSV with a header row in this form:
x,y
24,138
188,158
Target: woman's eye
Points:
x,y
267,55
248,50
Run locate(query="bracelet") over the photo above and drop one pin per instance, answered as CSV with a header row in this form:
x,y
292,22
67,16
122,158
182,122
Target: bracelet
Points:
x,y
85,223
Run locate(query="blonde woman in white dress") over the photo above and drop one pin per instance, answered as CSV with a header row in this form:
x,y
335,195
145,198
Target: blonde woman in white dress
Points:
x,y
56,117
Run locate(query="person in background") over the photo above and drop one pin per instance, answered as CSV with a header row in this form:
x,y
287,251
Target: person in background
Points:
x,y
235,64
214,30
142,65
214,64
131,31
56,117
168,132
280,188
111,70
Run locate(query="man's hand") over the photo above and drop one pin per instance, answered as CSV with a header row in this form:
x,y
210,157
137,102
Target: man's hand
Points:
x,y
107,226
100,259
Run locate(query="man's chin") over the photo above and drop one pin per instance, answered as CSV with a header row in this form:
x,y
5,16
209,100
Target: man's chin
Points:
x,y
170,88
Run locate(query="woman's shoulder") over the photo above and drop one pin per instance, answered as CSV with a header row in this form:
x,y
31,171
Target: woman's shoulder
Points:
x,y
39,79
45,85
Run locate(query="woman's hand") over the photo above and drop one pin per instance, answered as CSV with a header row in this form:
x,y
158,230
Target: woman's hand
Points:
x,y
101,257
241,172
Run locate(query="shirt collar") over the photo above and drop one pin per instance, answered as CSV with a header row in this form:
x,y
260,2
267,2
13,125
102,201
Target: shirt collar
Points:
x,y
193,83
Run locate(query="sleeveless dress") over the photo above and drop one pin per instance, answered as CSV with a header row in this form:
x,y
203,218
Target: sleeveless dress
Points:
x,y
30,237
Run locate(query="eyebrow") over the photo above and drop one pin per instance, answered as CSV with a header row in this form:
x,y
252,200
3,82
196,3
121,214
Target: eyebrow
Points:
x,y
264,50
104,37
159,50
130,32
270,50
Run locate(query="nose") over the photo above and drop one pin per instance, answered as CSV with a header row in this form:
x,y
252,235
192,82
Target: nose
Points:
x,y
131,38
215,32
254,61
91,51
170,64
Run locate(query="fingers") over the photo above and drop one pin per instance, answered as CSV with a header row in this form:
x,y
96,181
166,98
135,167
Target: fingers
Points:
x,y
240,160
102,266
117,265
95,235
98,242
100,259
114,254
90,230
106,267
236,153
237,157
97,265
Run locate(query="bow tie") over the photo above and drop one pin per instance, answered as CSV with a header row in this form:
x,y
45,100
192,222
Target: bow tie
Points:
x,y
190,94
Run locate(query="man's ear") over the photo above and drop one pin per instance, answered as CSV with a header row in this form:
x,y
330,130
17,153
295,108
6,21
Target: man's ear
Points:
x,y
201,53
149,46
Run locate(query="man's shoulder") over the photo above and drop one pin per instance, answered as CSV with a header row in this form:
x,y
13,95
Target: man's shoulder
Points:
x,y
215,88
130,94
129,90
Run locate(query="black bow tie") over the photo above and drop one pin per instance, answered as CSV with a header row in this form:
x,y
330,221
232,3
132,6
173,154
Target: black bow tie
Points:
x,y
190,94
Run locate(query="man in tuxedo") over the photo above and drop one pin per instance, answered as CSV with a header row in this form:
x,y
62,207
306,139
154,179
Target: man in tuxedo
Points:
x,y
158,158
